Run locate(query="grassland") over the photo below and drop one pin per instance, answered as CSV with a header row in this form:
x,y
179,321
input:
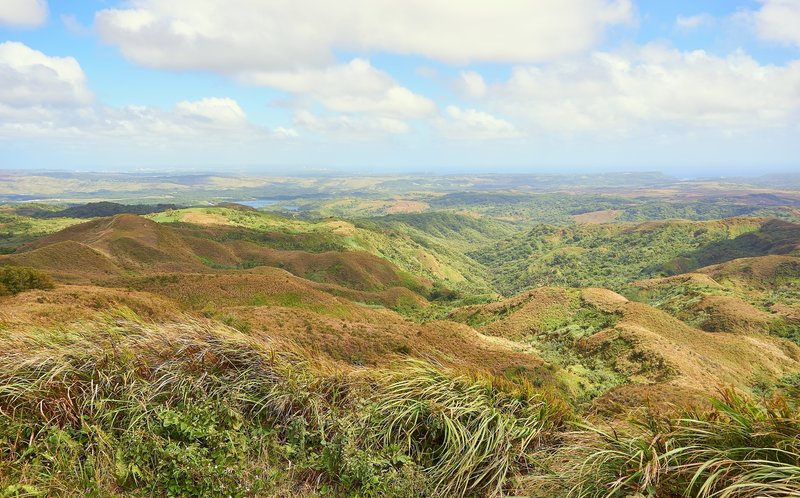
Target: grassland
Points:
x,y
435,338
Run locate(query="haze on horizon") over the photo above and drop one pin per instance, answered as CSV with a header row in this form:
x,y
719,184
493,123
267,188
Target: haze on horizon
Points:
x,y
687,88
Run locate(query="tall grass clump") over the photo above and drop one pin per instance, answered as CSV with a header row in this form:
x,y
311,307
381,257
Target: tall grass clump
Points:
x,y
120,407
178,409
471,433
739,448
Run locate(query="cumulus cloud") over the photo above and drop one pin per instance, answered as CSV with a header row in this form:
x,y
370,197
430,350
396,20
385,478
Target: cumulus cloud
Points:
x,y
42,95
28,76
653,86
291,46
285,35
210,119
472,124
778,21
355,87
23,13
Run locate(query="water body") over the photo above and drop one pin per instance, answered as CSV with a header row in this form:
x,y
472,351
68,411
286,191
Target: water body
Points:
x,y
260,203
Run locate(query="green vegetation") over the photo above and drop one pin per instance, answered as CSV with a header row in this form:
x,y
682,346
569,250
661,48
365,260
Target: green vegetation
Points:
x,y
740,448
192,409
416,256
352,339
93,210
15,279
17,230
613,254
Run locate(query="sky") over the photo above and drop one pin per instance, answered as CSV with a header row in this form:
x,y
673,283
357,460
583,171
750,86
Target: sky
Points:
x,y
384,86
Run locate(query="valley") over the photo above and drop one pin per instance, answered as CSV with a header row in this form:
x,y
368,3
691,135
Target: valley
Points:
x,y
449,336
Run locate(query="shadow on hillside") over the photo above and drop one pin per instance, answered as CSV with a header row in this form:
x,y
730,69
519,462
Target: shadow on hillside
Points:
x,y
774,237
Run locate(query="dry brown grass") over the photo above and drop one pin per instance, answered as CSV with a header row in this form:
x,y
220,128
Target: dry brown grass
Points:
x,y
594,217
646,345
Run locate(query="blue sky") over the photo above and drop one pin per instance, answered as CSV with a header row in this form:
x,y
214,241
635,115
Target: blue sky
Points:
x,y
443,86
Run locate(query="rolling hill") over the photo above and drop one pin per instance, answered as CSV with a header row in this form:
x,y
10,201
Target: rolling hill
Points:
x,y
610,255
226,350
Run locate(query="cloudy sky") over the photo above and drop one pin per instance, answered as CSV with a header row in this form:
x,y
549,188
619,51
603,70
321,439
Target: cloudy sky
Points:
x,y
700,86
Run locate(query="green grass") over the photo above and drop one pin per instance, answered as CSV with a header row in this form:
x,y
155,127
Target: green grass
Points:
x,y
17,230
740,448
120,407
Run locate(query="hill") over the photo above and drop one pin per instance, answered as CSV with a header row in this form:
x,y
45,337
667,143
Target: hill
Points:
x,y
610,255
742,295
124,244
94,210
222,350
629,351
434,263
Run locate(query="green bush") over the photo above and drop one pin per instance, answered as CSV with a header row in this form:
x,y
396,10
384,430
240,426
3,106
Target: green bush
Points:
x,y
16,279
740,448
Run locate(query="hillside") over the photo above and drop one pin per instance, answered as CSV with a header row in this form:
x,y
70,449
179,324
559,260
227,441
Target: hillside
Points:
x,y
604,341
434,263
127,244
219,342
742,295
610,255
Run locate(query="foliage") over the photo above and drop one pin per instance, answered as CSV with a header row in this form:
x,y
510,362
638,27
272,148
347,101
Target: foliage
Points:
x,y
469,433
194,409
740,448
95,210
612,255
16,279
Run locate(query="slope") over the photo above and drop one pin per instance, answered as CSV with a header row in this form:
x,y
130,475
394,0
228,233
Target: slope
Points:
x,y
608,345
610,255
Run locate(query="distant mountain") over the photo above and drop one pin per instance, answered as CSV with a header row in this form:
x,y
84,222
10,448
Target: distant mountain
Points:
x,y
96,210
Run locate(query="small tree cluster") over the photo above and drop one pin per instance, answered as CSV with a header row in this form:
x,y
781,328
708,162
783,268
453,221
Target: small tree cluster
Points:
x,y
15,279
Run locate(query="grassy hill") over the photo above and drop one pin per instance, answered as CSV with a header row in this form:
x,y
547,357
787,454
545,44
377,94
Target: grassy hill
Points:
x,y
611,255
278,232
603,341
742,295
224,351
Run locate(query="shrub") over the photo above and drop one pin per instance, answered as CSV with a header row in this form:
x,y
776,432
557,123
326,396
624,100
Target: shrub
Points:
x,y
740,448
16,279
470,433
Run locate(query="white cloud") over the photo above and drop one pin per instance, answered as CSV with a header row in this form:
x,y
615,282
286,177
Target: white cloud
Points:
x,y
471,84
24,13
653,87
778,21
355,87
350,126
41,95
472,124
216,112
28,76
210,119
284,35
689,23
291,45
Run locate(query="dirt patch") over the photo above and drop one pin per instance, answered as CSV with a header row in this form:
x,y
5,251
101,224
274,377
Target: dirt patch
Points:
x,y
596,217
407,207
201,218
